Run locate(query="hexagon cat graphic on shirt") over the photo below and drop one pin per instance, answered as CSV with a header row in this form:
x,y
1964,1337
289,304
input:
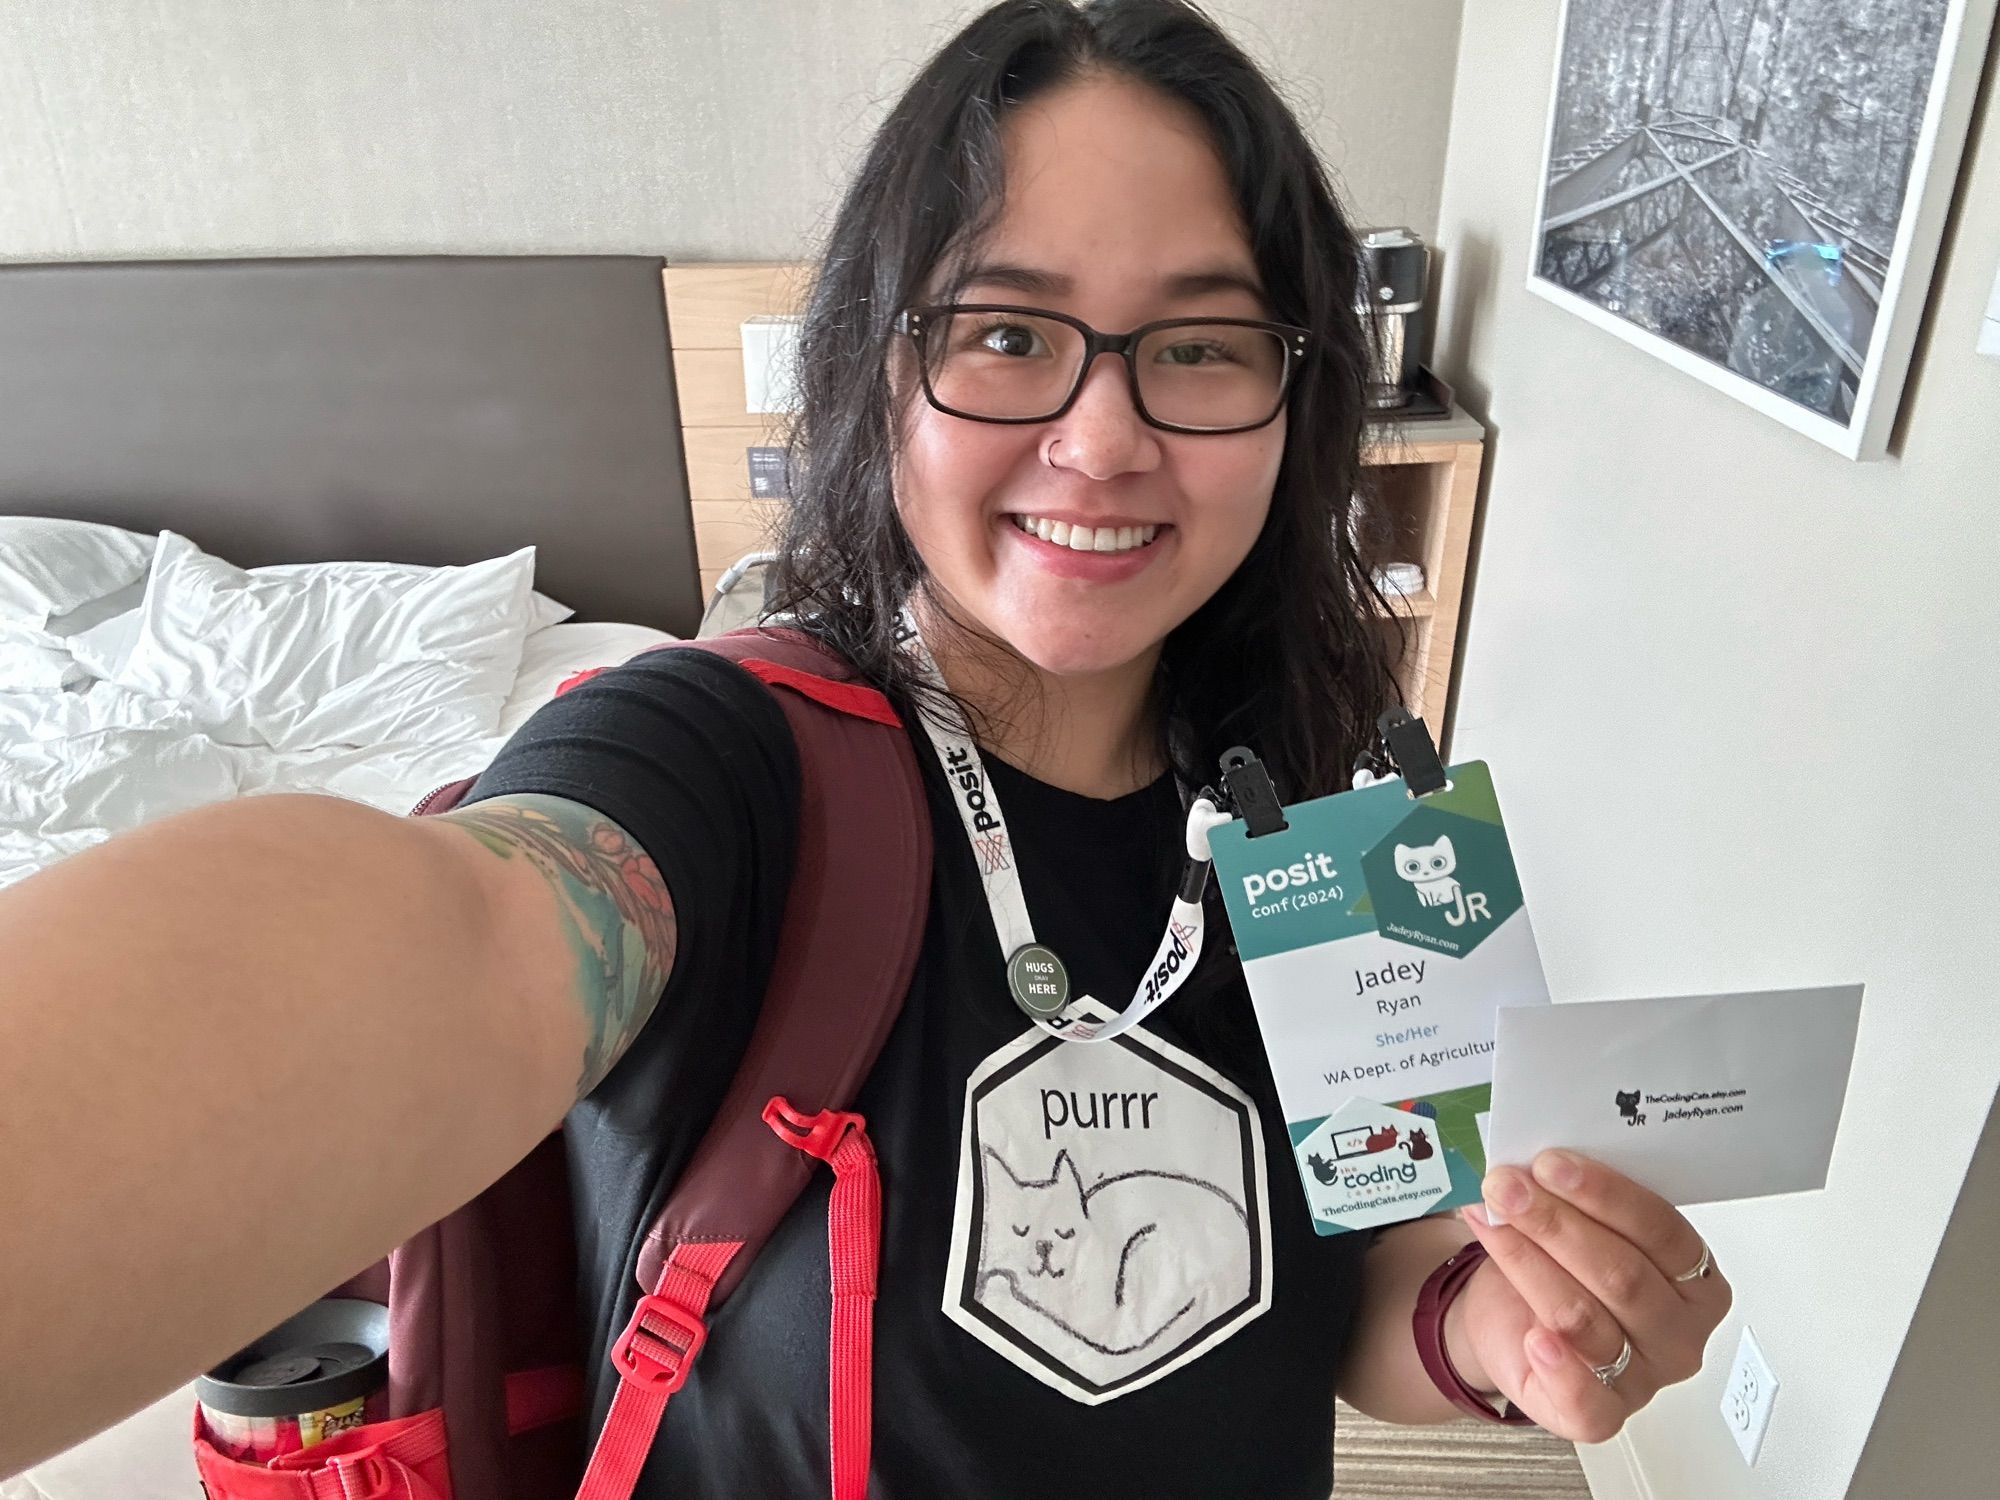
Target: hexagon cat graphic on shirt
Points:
x,y
1099,1262
1112,1222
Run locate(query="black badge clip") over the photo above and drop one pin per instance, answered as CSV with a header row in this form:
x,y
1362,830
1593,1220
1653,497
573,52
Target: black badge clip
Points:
x,y
1411,749
1251,792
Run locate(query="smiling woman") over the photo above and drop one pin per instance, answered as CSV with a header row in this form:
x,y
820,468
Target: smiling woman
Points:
x,y
1120,572
1055,186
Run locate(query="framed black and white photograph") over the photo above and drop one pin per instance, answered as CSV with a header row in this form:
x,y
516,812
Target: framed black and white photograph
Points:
x,y
1754,190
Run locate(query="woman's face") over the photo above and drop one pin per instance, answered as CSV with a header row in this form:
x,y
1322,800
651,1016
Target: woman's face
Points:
x,y
1117,212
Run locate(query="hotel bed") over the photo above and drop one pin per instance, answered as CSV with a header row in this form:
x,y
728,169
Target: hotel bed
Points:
x,y
322,524
305,517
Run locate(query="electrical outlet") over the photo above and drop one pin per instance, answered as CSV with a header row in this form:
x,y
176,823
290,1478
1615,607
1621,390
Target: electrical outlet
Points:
x,y
1746,1400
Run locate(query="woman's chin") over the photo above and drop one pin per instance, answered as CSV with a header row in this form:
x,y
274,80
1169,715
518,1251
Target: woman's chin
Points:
x,y
1071,648
1064,630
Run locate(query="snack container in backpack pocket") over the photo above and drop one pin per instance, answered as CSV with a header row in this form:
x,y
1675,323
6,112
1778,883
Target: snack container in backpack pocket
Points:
x,y
315,1375
310,1399
401,1459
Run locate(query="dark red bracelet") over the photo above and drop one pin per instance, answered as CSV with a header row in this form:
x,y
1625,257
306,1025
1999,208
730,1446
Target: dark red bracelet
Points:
x,y
1445,1283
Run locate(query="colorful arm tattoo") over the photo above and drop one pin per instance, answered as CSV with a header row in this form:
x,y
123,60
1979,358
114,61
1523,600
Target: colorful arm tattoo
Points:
x,y
616,911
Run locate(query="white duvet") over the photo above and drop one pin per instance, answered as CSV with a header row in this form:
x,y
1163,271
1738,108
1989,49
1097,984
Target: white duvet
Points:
x,y
361,680
77,768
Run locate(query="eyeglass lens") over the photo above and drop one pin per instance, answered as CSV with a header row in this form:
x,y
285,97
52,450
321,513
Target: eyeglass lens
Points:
x,y
1007,364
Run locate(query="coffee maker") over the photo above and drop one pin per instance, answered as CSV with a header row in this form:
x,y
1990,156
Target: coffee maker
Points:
x,y
1395,271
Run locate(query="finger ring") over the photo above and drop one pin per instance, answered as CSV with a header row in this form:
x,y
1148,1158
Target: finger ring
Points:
x,y
1608,1373
1702,1267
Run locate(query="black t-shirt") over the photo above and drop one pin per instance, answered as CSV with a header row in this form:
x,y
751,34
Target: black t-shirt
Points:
x,y
1097,1277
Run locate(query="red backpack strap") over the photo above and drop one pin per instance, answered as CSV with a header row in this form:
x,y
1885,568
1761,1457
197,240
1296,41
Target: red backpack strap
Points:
x,y
859,895
786,658
854,1254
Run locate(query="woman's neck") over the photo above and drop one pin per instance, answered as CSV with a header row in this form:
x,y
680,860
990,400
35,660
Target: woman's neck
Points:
x,y
1096,734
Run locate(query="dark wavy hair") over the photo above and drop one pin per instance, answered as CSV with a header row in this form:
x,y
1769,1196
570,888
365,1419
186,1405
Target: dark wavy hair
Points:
x,y
1290,654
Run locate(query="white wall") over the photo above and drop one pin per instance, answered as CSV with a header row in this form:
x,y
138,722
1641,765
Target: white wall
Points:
x,y
1739,694
718,130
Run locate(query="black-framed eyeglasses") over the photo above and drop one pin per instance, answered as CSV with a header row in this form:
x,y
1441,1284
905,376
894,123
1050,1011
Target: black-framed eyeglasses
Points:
x,y
993,362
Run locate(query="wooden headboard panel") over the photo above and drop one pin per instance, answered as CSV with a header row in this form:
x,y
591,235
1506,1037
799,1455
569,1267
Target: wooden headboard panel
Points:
x,y
433,409
707,306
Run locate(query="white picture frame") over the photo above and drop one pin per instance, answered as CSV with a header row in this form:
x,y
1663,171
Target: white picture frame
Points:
x,y
1596,198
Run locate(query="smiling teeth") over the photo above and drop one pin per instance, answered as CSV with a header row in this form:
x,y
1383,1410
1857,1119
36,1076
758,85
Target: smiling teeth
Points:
x,y
1086,538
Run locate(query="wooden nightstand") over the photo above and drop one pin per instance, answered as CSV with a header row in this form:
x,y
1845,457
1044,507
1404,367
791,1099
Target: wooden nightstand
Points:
x,y
1427,475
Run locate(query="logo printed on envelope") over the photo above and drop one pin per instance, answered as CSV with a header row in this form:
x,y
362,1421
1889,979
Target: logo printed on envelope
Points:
x,y
1699,1097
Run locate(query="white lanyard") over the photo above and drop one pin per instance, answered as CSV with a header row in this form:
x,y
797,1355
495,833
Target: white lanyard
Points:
x,y
1035,975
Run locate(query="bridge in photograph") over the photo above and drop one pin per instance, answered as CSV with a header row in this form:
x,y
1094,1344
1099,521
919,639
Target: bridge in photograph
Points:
x,y
1679,219
1693,175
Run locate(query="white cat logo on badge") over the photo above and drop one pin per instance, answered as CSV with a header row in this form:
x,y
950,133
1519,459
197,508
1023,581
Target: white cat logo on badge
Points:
x,y
1430,868
1112,1220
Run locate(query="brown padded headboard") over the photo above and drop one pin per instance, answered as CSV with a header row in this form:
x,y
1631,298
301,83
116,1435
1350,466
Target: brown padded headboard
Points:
x,y
428,409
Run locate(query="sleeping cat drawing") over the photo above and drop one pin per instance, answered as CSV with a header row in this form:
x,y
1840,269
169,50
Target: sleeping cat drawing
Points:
x,y
1117,1264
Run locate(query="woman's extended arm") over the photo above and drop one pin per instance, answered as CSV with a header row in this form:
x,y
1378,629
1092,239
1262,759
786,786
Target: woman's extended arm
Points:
x,y
246,1050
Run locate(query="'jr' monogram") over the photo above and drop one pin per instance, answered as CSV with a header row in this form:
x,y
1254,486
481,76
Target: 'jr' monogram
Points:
x,y
1470,907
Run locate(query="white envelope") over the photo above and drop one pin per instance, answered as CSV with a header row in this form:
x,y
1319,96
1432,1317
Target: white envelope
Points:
x,y
1698,1097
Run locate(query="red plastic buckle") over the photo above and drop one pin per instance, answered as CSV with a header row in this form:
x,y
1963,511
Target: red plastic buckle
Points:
x,y
817,1135
658,1364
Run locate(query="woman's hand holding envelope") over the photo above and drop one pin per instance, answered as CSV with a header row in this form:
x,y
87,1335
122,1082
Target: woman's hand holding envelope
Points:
x,y
1585,1259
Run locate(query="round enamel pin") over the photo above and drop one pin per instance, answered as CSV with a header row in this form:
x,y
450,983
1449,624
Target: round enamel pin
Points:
x,y
1039,981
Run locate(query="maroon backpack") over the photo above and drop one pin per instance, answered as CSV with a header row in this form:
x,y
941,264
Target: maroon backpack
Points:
x,y
486,1387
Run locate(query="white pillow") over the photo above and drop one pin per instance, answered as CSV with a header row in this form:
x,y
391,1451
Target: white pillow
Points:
x,y
546,611
332,654
549,612
99,636
49,566
551,657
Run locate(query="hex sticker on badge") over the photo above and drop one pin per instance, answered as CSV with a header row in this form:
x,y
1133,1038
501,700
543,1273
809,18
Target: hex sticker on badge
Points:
x,y
1112,1221
1441,880
1369,1163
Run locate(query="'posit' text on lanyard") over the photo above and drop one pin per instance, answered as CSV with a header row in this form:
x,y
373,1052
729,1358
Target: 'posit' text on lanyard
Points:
x,y
1035,974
